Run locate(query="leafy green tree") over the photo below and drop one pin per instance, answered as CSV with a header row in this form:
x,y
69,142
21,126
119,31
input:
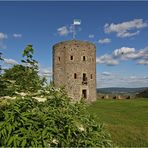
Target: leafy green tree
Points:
x,y
57,122
22,77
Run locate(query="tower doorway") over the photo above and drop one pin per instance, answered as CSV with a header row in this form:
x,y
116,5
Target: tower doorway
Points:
x,y
84,93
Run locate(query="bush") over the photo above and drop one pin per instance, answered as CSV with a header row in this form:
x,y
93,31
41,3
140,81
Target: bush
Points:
x,y
57,122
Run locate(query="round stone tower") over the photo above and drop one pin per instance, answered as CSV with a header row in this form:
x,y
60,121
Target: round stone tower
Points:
x,y
74,67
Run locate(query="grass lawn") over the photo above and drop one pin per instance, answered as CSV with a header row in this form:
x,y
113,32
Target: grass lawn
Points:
x,y
126,120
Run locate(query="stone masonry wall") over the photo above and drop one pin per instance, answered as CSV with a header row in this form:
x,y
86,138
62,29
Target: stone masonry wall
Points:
x,y
72,58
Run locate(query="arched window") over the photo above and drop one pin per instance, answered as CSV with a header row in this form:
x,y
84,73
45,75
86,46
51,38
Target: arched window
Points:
x,y
71,57
84,58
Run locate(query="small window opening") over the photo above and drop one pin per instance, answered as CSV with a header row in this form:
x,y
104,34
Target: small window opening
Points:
x,y
71,57
84,77
75,76
84,81
84,58
84,93
59,58
91,76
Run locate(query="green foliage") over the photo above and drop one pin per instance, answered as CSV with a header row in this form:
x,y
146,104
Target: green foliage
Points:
x,y
28,53
22,78
6,87
57,122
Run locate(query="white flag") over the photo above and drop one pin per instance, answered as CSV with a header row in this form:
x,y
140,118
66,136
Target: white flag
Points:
x,y
77,22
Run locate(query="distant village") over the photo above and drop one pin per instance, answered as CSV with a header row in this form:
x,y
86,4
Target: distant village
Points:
x,y
138,93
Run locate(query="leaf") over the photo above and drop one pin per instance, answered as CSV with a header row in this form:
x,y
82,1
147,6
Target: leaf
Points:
x,y
24,143
9,129
10,141
18,142
44,132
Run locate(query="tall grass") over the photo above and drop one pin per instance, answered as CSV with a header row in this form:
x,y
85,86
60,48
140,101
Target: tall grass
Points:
x,y
126,120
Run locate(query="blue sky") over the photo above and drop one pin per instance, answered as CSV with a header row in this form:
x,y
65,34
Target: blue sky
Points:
x,y
118,29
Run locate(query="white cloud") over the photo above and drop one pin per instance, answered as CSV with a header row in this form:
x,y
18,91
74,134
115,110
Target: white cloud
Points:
x,y
3,36
107,59
143,53
143,62
104,41
106,73
66,30
124,53
16,35
127,34
10,61
125,29
45,72
123,50
91,36
63,31
118,80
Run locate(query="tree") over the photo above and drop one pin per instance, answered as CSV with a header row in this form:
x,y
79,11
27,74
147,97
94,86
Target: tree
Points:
x,y
24,78
21,77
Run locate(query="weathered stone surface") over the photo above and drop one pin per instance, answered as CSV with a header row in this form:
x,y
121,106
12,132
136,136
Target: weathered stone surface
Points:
x,y
71,60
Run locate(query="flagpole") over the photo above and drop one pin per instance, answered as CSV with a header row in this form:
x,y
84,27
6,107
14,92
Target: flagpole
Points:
x,y
75,23
73,31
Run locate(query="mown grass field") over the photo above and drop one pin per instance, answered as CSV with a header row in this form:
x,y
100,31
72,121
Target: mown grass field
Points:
x,y
126,120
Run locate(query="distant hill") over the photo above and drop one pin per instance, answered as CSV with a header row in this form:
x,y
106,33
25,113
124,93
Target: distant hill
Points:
x,y
120,90
143,94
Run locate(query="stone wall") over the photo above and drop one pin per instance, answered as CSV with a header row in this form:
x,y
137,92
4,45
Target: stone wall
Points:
x,y
71,60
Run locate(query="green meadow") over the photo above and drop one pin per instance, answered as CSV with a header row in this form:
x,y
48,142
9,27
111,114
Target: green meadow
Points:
x,y
126,120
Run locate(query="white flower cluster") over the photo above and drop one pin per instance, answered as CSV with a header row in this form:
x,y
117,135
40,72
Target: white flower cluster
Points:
x,y
8,97
81,128
55,141
22,94
40,99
